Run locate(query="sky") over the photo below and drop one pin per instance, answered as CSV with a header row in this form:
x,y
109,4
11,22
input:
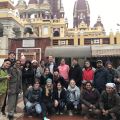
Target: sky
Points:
x,y
109,10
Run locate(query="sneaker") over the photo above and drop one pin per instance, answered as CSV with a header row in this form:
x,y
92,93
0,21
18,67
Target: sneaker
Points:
x,y
57,113
61,113
45,118
3,112
70,113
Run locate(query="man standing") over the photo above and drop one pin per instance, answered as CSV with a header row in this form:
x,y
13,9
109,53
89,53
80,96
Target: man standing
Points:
x,y
12,57
51,64
76,72
101,76
14,88
4,77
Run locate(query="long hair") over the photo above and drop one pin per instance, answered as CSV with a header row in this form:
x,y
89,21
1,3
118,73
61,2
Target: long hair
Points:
x,y
47,90
30,64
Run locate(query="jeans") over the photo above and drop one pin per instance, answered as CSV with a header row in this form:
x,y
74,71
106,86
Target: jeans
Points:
x,y
36,106
60,107
72,105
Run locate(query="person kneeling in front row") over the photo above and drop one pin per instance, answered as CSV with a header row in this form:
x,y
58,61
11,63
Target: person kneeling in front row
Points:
x,y
90,101
33,100
73,97
110,103
59,97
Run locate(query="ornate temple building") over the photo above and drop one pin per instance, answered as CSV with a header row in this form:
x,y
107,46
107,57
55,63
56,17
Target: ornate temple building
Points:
x,y
38,28
81,13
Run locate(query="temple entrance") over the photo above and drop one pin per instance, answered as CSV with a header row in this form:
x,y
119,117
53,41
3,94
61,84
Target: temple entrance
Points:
x,y
29,53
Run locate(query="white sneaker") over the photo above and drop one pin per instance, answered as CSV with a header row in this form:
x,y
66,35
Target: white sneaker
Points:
x,y
70,113
45,118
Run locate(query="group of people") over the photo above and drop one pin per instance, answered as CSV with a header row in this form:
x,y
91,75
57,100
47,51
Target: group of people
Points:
x,y
49,88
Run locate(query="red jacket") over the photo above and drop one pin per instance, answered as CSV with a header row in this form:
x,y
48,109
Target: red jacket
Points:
x,y
88,74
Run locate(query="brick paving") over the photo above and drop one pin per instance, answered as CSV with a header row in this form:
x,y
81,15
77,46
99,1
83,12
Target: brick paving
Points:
x,y
53,118
20,115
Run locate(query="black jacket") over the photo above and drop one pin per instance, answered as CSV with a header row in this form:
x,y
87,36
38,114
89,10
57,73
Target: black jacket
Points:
x,y
112,74
43,79
59,79
76,74
101,77
28,76
62,97
54,65
49,98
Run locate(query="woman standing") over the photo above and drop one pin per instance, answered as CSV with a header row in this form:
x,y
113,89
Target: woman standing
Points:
x,y
88,72
45,76
40,69
57,78
64,71
27,76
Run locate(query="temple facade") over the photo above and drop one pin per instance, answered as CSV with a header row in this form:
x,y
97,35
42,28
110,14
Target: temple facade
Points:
x,y
38,27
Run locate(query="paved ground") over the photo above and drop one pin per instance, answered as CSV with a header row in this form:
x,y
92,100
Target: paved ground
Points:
x,y
53,118
20,115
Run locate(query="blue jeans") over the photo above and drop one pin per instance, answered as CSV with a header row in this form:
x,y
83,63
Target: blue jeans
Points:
x,y
35,106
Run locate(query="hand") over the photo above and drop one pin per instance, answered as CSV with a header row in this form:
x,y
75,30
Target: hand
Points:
x,y
92,106
8,77
75,106
105,112
30,87
56,103
20,92
118,80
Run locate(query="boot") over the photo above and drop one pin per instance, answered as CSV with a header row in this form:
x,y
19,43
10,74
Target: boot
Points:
x,y
10,117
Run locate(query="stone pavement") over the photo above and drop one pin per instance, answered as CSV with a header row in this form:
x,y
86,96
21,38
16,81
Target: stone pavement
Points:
x,y
20,115
19,111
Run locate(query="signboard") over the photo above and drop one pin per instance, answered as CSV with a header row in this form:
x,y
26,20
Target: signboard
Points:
x,y
62,42
28,43
107,50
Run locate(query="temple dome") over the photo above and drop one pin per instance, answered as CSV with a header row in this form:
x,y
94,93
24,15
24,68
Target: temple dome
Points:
x,y
98,23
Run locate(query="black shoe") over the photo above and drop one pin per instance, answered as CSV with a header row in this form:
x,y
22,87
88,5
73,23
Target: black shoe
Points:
x,y
10,117
3,113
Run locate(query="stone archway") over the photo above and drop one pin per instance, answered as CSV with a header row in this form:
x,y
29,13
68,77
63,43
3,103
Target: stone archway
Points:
x,y
28,30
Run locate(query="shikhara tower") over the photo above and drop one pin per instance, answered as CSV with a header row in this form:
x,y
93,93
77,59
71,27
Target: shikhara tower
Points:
x,y
81,13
